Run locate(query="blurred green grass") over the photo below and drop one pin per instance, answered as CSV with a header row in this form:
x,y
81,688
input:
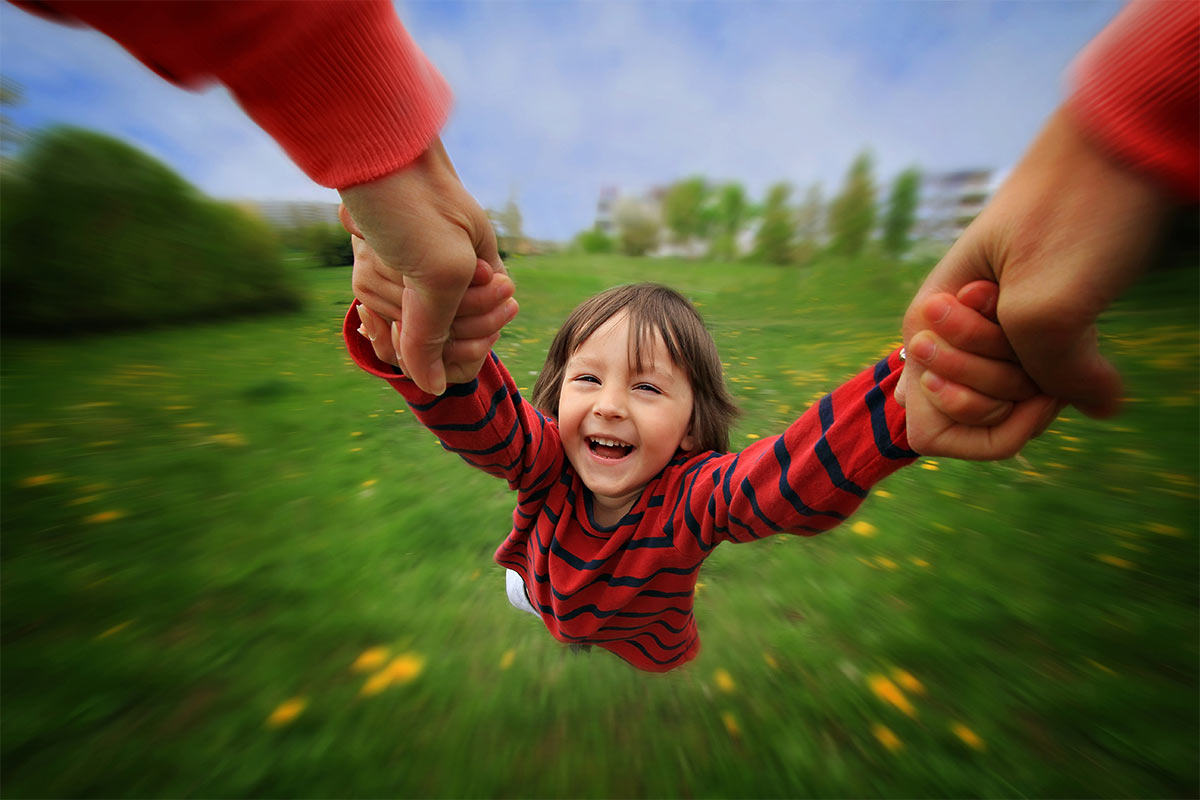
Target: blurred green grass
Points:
x,y
206,529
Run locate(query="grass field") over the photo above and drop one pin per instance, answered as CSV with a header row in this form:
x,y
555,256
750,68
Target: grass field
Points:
x,y
233,565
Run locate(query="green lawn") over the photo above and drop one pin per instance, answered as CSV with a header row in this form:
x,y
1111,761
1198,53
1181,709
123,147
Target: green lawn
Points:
x,y
233,565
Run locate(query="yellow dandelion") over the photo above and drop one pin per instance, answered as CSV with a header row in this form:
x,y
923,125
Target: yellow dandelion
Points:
x,y
771,662
40,480
376,683
370,659
356,433
870,564
87,498
406,667
177,408
192,425
731,724
104,516
1115,561
886,737
864,528
724,681
930,465
1165,530
888,692
355,449
953,495
886,563
753,436
1101,667
287,711
699,585
969,737
399,410
229,439
369,483
475,575
920,562
115,629
906,679
882,493
507,659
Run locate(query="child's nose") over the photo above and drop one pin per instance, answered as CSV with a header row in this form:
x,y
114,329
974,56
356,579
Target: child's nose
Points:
x,y
610,404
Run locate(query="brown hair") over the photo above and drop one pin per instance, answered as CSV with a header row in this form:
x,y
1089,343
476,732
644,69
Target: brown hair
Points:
x,y
652,309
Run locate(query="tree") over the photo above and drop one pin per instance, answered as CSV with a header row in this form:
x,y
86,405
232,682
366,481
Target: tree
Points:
x,y
11,134
729,212
510,237
901,212
773,242
684,210
595,241
852,214
637,228
810,222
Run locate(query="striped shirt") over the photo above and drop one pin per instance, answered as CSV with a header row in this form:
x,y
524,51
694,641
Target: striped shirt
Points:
x,y
630,587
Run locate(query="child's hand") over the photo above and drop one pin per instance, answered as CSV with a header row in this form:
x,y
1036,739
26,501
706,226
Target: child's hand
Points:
x,y
976,401
485,309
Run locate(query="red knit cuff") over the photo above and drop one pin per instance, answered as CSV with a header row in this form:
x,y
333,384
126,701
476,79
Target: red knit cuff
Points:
x,y
350,99
1137,92
364,356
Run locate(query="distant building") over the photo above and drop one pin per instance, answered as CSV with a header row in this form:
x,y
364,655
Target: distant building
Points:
x,y
293,214
606,211
950,200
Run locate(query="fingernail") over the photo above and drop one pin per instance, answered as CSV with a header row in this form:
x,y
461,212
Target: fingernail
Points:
x,y
363,332
932,381
361,309
922,349
999,415
936,308
510,311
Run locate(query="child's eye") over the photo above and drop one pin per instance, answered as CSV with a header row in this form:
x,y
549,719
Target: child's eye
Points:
x,y
648,387
587,378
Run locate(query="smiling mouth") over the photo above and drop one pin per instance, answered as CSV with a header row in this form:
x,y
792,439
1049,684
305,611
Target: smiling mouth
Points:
x,y
609,448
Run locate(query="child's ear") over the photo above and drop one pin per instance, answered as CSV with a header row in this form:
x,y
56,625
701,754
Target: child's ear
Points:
x,y
689,442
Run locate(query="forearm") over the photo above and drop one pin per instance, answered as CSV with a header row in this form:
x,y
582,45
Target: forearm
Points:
x,y
815,474
484,420
339,85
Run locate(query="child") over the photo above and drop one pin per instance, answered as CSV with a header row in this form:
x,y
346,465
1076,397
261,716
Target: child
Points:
x,y
622,472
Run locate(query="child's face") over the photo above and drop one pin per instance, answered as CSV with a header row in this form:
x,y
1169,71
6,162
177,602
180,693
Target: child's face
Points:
x,y
605,399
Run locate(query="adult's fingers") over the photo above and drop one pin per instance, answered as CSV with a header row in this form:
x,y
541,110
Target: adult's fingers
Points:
x,y
428,312
1000,379
1063,357
486,297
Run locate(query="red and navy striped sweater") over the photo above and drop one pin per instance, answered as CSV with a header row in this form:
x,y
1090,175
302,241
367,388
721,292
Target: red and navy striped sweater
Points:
x,y
629,588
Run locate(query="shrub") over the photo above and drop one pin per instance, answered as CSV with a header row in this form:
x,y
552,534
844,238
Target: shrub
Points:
x,y
98,235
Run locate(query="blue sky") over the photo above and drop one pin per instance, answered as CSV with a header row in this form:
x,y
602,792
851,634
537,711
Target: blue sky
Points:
x,y
555,100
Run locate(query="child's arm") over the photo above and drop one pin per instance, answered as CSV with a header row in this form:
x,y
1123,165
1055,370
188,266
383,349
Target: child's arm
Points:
x,y
484,419
814,475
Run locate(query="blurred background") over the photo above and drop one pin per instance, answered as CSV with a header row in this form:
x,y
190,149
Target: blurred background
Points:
x,y
234,565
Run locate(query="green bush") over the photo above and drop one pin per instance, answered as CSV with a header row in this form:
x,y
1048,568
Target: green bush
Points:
x,y
95,234
327,243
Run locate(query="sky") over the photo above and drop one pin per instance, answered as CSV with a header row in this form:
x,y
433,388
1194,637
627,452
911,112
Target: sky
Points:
x,y
556,100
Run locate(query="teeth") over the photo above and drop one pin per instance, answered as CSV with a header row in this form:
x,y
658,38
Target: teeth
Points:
x,y
609,442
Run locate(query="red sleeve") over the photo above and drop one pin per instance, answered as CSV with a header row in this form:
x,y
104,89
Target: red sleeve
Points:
x,y
1137,92
485,421
339,85
806,480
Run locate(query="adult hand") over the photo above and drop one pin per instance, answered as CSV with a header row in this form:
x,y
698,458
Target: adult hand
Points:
x,y
427,233
1064,236
486,307
973,400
